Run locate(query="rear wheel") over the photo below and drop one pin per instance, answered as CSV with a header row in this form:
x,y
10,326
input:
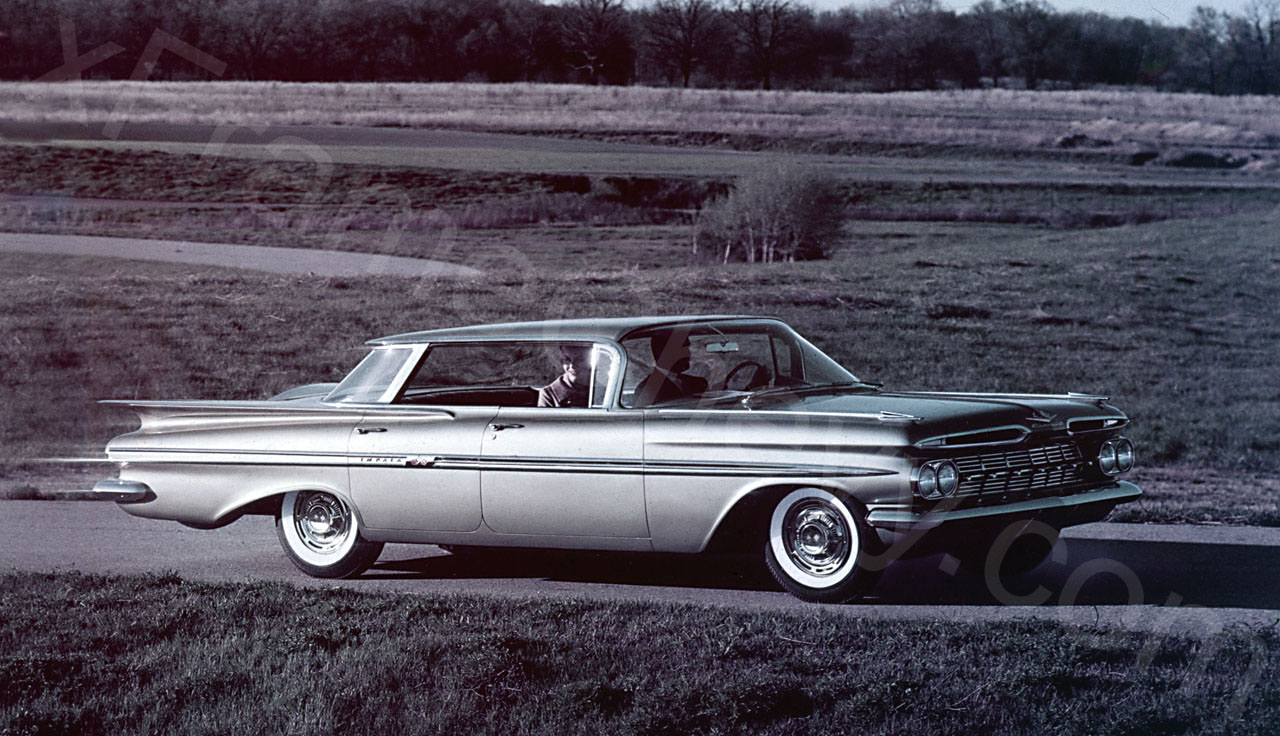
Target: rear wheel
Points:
x,y
321,535
817,547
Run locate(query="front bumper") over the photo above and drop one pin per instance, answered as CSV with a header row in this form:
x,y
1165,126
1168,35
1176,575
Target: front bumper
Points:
x,y
1078,508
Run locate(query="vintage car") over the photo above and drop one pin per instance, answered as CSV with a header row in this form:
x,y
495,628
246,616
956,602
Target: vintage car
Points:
x,y
665,434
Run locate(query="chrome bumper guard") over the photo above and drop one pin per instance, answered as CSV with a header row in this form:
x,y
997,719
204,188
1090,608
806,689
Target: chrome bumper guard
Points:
x,y
121,491
897,519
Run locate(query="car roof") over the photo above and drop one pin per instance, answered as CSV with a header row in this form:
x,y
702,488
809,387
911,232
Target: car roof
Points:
x,y
590,329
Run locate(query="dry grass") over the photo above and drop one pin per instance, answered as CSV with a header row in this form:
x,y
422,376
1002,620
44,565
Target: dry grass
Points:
x,y
1020,119
1174,320
409,211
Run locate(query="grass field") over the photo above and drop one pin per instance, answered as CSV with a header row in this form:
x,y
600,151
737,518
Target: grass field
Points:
x,y
92,655
981,253
1174,320
406,209
996,241
985,118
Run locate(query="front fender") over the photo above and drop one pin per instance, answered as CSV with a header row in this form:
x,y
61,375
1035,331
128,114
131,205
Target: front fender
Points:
x,y
686,513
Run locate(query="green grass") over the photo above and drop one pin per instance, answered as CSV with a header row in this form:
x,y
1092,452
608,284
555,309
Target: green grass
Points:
x,y
94,655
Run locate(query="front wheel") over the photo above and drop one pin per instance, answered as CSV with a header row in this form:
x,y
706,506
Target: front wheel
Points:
x,y
818,546
321,535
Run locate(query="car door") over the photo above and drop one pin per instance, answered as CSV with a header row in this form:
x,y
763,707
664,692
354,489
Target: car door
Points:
x,y
569,473
415,469
564,473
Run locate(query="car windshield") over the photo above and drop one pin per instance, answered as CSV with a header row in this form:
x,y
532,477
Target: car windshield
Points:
x,y
370,380
687,362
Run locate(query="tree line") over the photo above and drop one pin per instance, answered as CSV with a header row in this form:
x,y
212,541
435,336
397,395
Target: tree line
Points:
x,y
896,45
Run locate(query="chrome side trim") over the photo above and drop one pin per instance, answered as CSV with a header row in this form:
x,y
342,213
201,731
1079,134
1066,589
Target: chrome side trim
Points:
x,y
887,518
883,416
1015,397
121,491
232,457
652,467
623,466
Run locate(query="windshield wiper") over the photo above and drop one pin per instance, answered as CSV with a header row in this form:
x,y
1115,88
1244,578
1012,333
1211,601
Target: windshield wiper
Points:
x,y
809,388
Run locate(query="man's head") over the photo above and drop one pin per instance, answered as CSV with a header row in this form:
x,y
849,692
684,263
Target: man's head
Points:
x,y
671,350
576,361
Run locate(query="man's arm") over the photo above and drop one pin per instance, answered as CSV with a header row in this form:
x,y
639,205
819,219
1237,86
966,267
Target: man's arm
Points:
x,y
546,398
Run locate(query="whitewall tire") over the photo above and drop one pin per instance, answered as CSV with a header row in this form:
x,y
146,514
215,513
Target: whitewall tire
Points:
x,y
817,547
320,533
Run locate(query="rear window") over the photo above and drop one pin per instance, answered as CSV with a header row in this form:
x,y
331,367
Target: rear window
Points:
x,y
372,378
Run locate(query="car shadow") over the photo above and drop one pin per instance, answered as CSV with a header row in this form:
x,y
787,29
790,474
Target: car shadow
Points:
x,y
1092,572
1082,572
723,572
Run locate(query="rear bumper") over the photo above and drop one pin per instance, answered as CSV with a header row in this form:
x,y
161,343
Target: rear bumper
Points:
x,y
122,491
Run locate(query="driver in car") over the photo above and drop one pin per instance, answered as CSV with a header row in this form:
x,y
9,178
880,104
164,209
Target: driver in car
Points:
x,y
571,388
669,380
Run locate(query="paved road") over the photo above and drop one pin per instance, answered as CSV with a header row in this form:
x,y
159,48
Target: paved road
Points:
x,y
253,257
1188,580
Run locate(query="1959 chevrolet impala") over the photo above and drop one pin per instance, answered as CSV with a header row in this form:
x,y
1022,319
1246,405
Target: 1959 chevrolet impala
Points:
x,y
669,434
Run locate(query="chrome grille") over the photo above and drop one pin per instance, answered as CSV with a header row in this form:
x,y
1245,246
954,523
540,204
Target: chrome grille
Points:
x,y
1021,472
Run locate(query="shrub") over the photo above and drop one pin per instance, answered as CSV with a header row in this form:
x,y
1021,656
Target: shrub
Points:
x,y
783,212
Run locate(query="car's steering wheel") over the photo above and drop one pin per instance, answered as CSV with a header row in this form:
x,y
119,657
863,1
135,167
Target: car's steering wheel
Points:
x,y
755,381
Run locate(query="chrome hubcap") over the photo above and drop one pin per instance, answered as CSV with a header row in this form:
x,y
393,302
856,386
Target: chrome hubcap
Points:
x,y
817,537
323,521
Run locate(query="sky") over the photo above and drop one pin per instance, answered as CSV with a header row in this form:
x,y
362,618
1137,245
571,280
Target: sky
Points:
x,y
1169,12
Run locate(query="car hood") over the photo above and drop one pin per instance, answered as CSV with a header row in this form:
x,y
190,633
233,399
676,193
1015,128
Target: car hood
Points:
x,y
942,416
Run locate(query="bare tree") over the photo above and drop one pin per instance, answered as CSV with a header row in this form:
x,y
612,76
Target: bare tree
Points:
x,y
990,37
1256,36
597,38
684,34
1206,51
767,29
908,43
255,33
1034,29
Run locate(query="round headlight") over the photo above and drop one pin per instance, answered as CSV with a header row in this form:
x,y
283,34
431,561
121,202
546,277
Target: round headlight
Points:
x,y
948,478
928,482
1107,458
1124,455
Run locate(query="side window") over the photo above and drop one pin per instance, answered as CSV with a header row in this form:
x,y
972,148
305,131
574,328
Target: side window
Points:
x,y
526,374
479,365
374,377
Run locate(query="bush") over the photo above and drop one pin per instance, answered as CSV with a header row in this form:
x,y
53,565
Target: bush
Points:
x,y
783,212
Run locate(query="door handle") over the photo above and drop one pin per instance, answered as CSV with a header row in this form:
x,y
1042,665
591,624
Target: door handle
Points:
x,y
370,430
500,427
